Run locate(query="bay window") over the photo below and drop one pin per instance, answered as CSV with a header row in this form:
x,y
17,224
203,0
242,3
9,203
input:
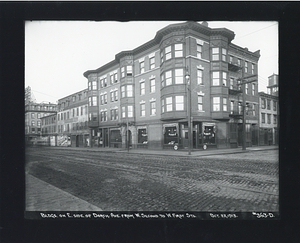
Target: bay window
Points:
x,y
178,50
216,103
179,103
178,76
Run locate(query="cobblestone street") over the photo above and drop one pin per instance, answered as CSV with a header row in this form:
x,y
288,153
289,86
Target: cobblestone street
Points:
x,y
113,181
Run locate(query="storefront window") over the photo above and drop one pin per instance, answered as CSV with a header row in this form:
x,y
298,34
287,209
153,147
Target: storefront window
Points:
x,y
115,136
142,136
209,134
170,135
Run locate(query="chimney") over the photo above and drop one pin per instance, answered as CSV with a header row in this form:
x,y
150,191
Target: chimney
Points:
x,y
205,23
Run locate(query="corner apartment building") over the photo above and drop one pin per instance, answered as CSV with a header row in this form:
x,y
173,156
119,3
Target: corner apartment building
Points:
x,y
72,120
269,113
33,114
141,97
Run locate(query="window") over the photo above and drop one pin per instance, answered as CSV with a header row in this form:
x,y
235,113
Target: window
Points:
x,y
94,87
162,106
179,103
130,111
224,54
142,110
231,106
252,68
101,99
162,78
62,116
38,115
240,108
123,91
253,89
199,76
161,57
269,118
152,62
268,104
32,115
230,59
33,123
178,76
116,95
247,108
215,54
90,86
199,51
105,98
275,119
65,116
38,123
224,104
200,103
224,79
93,101
239,62
246,88
263,118
122,72
58,117
274,105
129,91
103,82
263,103
142,136
169,105
253,109
68,115
112,97
115,77
111,78
178,50
246,67
123,112
142,88
129,70
103,116
231,83
77,111
216,103
79,97
152,85
168,54
81,110
216,78
142,67
152,108
168,78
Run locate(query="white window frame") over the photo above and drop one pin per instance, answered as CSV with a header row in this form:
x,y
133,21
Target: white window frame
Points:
x,y
225,104
178,49
168,78
142,88
179,102
215,54
169,104
199,76
216,103
179,76
168,52
216,78
152,85
152,108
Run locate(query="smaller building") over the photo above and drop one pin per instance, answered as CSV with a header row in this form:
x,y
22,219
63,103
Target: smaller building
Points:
x,y
269,113
72,120
49,129
33,114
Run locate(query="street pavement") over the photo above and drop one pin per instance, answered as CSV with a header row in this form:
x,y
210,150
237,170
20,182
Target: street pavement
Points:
x,y
40,193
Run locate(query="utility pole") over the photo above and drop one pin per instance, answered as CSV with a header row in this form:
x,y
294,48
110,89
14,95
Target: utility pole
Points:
x,y
189,108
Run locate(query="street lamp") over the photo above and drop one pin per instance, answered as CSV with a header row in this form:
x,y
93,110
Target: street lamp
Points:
x,y
189,108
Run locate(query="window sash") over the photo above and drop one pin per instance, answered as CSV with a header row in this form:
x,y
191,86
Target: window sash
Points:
x,y
152,108
142,88
179,103
169,104
143,111
215,54
168,53
216,78
152,62
130,111
224,104
178,50
199,51
216,103
152,85
199,76
200,103
168,78
129,91
178,76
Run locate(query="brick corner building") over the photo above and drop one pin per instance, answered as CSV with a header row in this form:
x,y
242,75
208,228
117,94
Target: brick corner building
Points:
x,y
140,99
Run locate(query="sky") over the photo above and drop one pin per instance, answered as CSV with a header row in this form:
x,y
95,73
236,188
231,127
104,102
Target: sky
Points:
x,y
57,53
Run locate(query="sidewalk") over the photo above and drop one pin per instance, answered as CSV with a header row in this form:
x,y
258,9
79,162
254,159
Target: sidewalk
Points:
x,y
180,152
42,196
